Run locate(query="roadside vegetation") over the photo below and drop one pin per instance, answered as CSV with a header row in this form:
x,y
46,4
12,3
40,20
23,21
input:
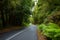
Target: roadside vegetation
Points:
x,y
46,15
15,14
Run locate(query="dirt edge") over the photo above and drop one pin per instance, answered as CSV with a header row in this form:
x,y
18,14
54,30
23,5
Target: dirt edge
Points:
x,y
10,29
40,35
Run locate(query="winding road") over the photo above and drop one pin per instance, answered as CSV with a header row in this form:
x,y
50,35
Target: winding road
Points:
x,y
25,34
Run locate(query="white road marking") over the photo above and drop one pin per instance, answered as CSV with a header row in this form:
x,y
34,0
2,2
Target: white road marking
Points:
x,y
16,34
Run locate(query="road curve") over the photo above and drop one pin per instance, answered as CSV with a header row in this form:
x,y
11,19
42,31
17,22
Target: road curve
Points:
x,y
26,34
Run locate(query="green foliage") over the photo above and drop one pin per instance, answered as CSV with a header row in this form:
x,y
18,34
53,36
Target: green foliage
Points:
x,y
50,30
31,19
54,17
56,2
44,8
41,11
16,12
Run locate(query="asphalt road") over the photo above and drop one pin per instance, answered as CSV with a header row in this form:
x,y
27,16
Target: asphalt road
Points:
x,y
26,34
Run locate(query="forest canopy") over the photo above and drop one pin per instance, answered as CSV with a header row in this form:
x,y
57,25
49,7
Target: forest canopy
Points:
x,y
15,12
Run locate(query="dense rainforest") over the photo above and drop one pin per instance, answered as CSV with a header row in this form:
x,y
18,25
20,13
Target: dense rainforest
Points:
x,y
15,12
44,13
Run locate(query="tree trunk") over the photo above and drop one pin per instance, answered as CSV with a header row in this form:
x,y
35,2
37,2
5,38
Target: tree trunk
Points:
x,y
2,13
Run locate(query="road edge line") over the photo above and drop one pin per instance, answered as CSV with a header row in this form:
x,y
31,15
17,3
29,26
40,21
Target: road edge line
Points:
x,y
16,34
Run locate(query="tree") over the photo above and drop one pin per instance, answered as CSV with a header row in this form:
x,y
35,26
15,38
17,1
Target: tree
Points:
x,y
2,13
43,9
15,12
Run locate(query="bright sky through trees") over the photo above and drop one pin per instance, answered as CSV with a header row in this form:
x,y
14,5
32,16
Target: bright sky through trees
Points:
x,y
35,2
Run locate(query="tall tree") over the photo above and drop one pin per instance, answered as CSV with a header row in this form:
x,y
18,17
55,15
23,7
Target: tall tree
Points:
x,y
2,12
44,8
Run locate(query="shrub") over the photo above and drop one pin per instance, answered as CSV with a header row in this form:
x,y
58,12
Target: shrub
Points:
x,y
50,30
